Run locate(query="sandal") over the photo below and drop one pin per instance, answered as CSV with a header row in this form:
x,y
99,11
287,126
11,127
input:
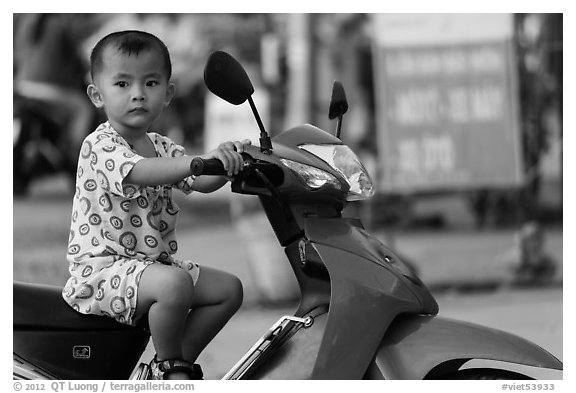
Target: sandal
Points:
x,y
161,369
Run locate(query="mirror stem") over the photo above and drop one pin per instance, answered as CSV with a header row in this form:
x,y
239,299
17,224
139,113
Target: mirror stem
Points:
x,y
265,142
339,126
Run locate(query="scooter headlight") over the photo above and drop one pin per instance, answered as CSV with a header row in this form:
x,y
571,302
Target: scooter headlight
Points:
x,y
343,159
313,177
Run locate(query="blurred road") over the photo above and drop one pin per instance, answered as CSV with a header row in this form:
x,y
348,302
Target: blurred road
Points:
x,y
445,261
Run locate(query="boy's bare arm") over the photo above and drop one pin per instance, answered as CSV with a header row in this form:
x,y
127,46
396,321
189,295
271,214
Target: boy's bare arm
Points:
x,y
161,170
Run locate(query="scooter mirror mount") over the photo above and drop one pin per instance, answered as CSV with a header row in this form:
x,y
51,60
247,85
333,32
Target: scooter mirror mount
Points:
x,y
338,105
225,77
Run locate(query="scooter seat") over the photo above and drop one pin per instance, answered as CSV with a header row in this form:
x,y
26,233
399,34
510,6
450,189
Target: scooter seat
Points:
x,y
41,307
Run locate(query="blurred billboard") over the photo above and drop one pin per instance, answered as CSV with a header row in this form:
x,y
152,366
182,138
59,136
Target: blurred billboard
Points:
x,y
447,102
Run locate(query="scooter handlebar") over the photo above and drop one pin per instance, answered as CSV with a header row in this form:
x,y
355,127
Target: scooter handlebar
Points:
x,y
212,166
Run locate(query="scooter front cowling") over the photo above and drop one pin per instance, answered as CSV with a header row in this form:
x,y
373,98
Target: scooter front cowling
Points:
x,y
362,298
365,295
363,303
348,235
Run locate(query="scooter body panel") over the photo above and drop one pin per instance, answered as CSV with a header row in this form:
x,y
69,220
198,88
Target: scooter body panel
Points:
x,y
364,302
367,293
85,354
363,297
348,235
49,334
416,344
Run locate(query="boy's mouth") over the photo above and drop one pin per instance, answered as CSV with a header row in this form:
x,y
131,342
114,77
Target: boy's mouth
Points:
x,y
138,109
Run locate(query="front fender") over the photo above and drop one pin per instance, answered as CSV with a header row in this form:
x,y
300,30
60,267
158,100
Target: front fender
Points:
x,y
416,344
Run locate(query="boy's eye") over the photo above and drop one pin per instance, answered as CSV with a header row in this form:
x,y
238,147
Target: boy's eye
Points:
x,y
152,83
121,84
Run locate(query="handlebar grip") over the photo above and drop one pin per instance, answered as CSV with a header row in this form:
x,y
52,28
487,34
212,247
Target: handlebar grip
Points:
x,y
212,166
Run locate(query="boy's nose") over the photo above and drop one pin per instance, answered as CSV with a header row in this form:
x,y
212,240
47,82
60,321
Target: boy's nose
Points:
x,y
138,94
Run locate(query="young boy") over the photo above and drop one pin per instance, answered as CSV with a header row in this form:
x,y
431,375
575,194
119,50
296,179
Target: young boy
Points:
x,y
122,237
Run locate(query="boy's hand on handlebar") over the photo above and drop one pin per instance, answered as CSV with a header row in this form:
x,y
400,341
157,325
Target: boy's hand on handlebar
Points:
x,y
230,155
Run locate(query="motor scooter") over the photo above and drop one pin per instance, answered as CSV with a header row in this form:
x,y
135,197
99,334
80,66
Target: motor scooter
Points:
x,y
362,314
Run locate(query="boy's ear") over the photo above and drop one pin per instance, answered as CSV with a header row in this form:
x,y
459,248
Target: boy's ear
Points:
x,y
170,92
94,95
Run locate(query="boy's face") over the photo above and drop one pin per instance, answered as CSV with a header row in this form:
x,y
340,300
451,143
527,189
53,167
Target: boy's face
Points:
x,y
133,90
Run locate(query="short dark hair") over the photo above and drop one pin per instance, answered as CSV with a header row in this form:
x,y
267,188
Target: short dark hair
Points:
x,y
130,42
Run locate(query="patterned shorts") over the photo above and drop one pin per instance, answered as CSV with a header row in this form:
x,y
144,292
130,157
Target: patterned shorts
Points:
x,y
113,290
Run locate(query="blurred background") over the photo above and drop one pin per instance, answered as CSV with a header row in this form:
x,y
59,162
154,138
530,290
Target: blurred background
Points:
x,y
457,117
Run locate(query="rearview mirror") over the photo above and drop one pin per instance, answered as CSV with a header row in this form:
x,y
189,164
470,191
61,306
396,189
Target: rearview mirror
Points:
x,y
225,77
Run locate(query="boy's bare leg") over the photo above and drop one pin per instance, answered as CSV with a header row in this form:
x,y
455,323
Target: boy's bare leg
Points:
x,y
217,296
166,293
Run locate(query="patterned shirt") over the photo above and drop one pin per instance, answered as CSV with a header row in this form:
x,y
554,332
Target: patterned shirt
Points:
x,y
111,218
